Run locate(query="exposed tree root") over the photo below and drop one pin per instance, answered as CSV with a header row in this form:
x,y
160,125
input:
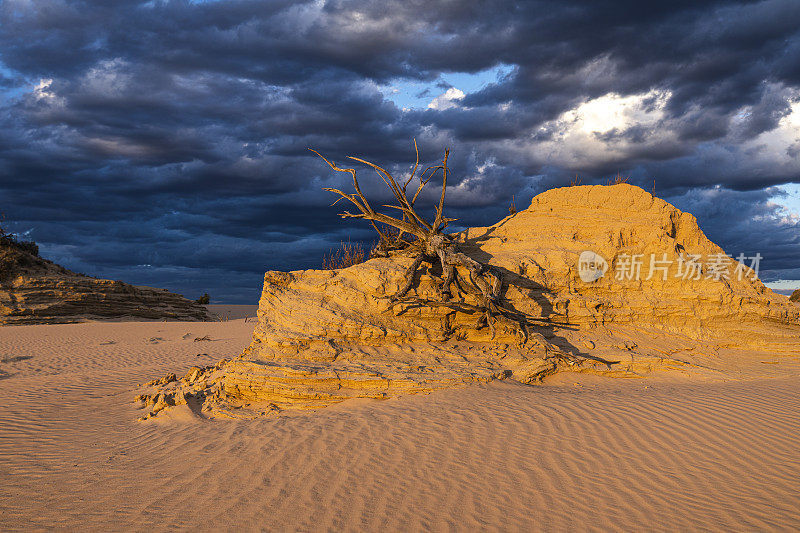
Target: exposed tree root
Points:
x,y
428,243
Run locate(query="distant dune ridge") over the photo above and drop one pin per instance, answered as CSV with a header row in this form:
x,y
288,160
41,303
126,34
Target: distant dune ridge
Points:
x,y
324,336
37,291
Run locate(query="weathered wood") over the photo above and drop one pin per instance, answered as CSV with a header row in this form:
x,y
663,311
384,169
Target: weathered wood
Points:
x,y
430,243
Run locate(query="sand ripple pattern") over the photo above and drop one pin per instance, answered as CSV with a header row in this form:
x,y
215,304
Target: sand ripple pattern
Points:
x,y
501,457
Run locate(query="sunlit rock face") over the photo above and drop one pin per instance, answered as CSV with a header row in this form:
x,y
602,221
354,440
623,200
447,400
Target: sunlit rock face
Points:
x,y
645,245
36,291
652,292
795,297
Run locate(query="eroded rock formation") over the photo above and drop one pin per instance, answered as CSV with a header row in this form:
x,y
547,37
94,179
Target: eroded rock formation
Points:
x,y
324,336
36,291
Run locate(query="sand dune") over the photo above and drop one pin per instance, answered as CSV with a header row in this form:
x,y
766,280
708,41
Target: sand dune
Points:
x,y
579,452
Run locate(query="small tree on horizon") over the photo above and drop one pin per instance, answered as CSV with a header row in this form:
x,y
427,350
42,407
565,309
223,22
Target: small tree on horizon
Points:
x,y
9,239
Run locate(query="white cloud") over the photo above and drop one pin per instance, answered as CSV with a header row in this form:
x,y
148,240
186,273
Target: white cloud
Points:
x,y
40,90
779,147
447,99
615,112
601,130
42,93
788,201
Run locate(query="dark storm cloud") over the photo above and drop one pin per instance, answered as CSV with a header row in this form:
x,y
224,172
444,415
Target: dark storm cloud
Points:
x,y
165,142
748,222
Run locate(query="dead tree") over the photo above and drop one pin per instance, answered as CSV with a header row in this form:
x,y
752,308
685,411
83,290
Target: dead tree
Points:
x,y
428,243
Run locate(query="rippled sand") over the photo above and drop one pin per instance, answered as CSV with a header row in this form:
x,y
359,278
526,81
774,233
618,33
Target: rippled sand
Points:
x,y
577,453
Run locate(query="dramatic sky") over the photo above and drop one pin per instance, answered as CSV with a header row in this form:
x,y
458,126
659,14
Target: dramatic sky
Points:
x,y
165,142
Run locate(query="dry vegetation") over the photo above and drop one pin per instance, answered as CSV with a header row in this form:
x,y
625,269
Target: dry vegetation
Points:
x,y
9,239
348,254
427,242
616,180
15,254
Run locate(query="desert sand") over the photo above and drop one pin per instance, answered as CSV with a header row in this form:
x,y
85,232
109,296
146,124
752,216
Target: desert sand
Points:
x,y
663,403
578,452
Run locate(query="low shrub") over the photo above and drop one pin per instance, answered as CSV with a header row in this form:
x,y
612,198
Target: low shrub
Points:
x,y
348,254
616,180
9,239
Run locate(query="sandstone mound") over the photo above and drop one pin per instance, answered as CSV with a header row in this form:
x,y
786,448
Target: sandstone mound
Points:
x,y
35,291
324,336
795,297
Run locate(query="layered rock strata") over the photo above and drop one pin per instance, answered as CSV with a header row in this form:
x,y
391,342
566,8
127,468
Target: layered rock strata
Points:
x,y
610,279
36,291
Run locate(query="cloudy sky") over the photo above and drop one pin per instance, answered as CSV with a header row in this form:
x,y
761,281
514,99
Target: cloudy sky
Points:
x,y
164,142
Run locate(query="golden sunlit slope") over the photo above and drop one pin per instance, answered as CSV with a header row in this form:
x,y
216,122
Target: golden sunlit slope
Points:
x,y
324,336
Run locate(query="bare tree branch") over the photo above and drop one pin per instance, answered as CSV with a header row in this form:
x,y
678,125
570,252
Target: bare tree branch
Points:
x,y
431,245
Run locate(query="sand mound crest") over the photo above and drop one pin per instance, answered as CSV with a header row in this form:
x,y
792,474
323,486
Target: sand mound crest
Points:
x,y
326,336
